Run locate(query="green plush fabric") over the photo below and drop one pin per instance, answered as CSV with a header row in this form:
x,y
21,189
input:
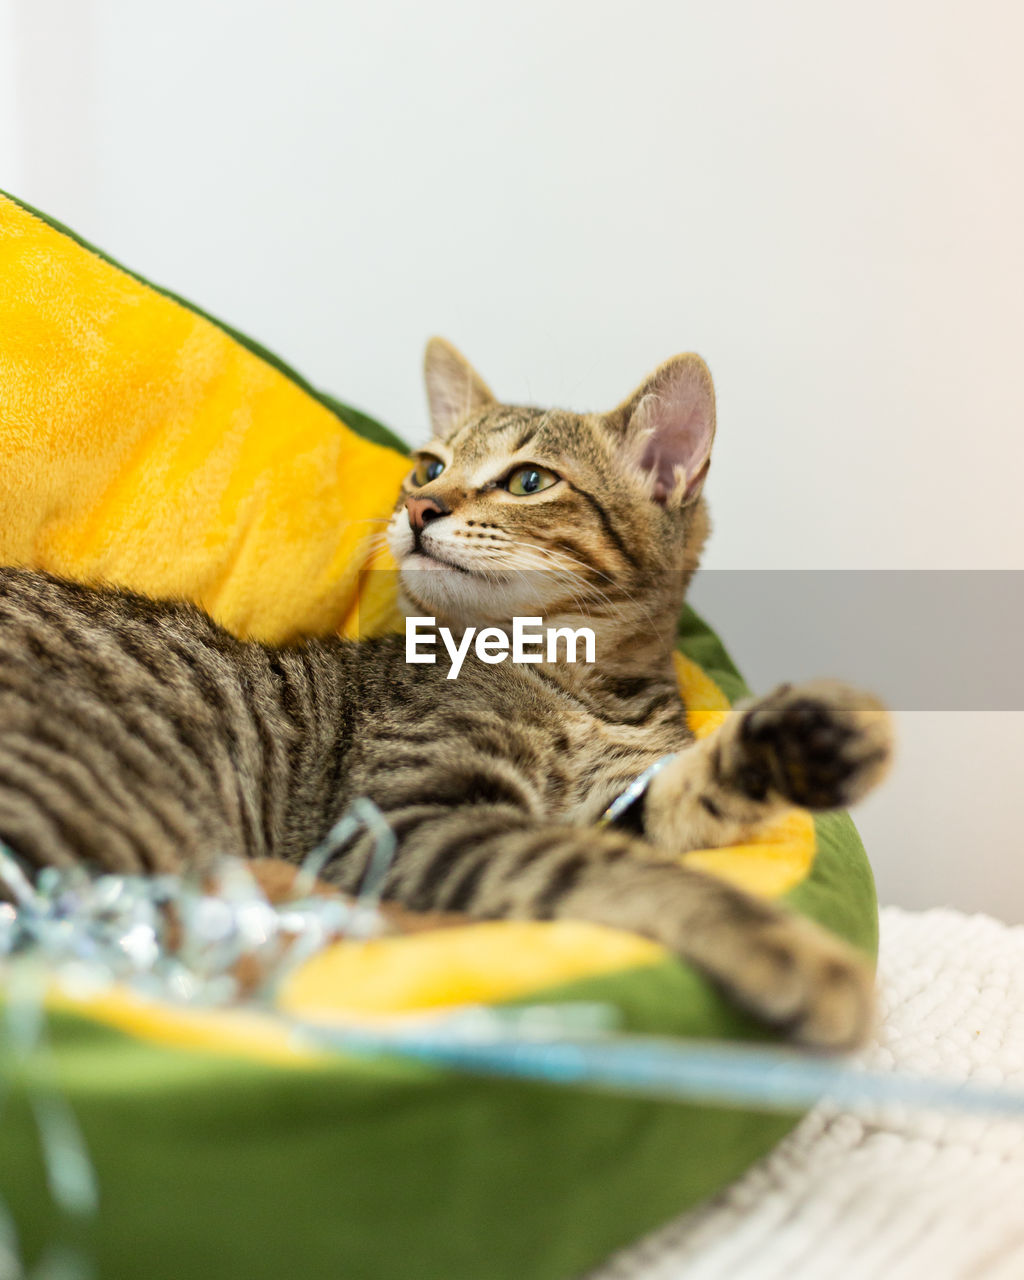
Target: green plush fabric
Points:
x,y
214,1167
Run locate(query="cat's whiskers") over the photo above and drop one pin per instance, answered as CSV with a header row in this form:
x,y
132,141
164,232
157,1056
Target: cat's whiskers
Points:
x,y
593,569
370,544
480,560
372,537
538,564
559,555
570,582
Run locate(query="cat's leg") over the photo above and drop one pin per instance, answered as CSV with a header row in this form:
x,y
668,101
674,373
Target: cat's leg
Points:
x,y
495,861
821,745
500,857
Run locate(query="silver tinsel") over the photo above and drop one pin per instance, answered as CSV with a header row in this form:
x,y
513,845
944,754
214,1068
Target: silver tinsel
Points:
x,y
184,939
212,940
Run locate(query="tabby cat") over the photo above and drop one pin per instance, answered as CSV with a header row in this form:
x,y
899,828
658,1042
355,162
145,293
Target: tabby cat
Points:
x,y
138,735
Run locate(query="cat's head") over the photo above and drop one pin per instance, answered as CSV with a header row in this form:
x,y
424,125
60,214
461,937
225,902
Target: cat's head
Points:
x,y
510,510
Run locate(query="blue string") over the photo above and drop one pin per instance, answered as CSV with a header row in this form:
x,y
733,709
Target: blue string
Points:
x,y
725,1074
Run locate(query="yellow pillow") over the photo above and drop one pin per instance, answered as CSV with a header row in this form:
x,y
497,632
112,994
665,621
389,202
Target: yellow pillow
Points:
x,y
143,445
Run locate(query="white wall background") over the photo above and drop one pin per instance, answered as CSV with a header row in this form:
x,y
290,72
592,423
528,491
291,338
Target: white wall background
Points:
x,y
826,201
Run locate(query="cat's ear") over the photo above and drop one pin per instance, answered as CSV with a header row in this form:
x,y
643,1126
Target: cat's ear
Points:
x,y
454,388
667,427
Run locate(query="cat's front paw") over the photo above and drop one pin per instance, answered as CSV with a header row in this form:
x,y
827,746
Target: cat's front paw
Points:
x,y
796,976
821,745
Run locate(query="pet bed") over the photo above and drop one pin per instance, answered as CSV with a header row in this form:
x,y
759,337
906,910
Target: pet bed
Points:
x,y
145,444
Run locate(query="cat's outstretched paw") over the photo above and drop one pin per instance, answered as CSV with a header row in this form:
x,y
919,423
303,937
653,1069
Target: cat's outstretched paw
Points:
x,y
797,976
821,745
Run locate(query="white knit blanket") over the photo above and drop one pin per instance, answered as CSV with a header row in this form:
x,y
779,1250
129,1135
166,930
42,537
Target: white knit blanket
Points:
x,y
898,1194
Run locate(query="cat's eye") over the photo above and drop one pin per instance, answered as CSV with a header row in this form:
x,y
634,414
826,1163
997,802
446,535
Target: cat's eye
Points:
x,y
426,469
526,480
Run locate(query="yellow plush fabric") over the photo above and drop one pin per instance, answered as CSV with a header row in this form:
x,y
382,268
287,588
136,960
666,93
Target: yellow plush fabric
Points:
x,y
475,964
142,445
375,982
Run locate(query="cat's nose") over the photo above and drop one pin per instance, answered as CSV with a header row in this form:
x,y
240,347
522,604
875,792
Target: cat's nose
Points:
x,y
423,510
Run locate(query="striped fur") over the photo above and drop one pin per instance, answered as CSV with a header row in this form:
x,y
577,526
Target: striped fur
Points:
x,y
139,736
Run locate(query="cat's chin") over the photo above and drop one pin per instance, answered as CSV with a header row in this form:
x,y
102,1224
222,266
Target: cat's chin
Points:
x,y
461,597
420,561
